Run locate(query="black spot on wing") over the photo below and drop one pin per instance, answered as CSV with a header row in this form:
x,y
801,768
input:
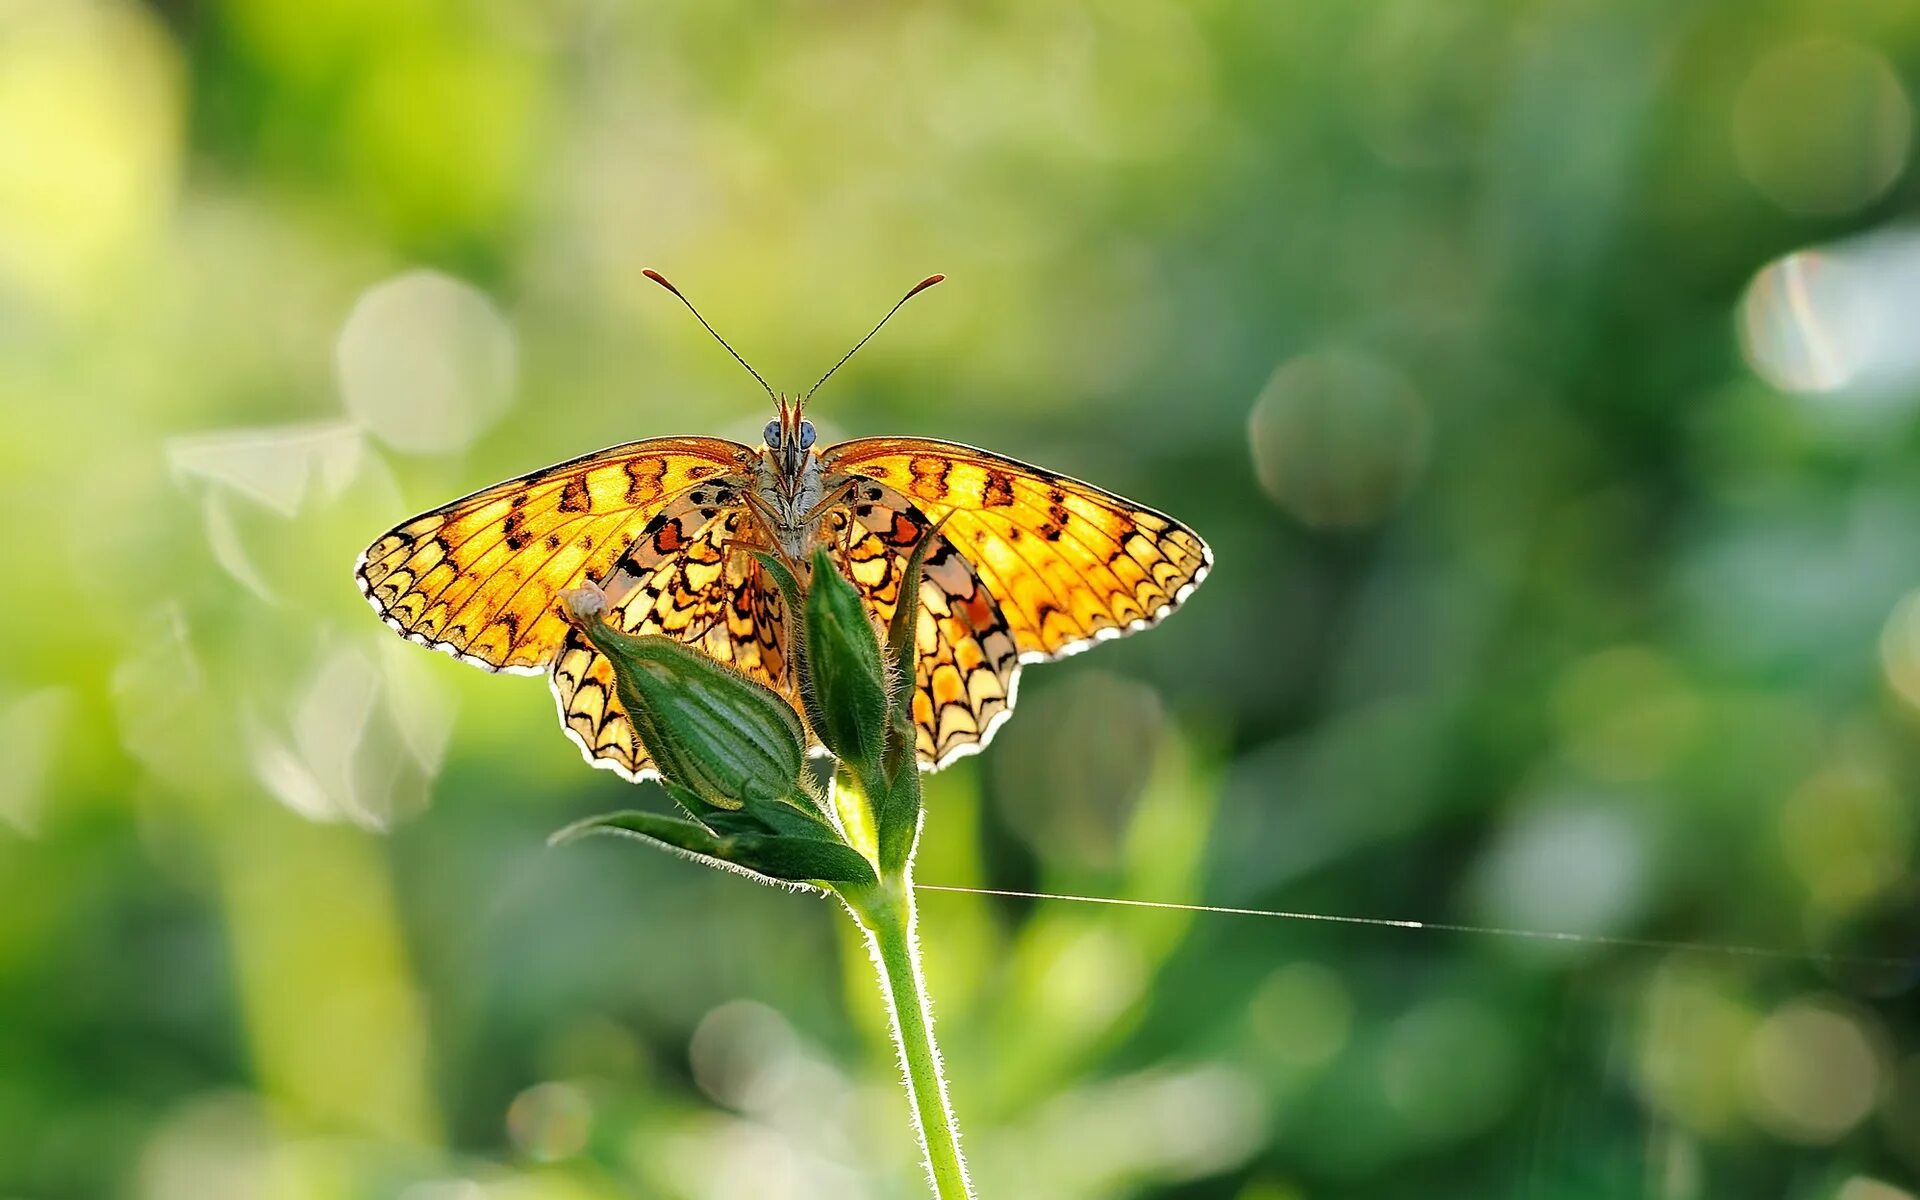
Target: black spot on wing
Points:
x,y
999,489
515,531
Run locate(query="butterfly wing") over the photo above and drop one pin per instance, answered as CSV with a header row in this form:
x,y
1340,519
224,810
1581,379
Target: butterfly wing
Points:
x,y
1066,562
967,665
697,585
477,578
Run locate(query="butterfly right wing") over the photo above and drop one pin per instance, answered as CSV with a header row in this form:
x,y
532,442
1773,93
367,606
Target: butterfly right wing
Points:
x,y
967,661
1068,563
477,578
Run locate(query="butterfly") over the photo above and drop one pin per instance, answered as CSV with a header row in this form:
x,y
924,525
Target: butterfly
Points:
x,y
1024,565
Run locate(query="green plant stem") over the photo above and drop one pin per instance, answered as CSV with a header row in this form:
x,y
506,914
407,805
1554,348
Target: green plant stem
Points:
x,y
886,914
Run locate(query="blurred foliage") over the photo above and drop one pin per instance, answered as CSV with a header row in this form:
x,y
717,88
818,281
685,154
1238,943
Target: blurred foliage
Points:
x,y
1544,376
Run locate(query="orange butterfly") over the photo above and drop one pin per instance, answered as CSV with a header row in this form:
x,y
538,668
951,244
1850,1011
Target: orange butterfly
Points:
x,y
1027,566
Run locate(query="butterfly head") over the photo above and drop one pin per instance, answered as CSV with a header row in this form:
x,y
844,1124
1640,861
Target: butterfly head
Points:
x,y
789,436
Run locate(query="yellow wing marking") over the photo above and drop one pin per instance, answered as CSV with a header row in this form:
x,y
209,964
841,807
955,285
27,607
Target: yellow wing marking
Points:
x,y
1068,563
692,580
477,578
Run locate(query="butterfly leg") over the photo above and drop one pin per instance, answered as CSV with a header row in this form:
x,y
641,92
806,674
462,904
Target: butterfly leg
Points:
x,y
766,526
745,541
835,502
831,500
697,634
843,534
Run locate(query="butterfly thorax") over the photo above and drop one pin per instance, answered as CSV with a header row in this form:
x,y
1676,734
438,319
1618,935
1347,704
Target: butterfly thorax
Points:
x,y
789,490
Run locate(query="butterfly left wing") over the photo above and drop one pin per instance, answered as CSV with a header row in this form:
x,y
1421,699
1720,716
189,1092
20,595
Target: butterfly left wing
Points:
x,y
477,577
1067,563
699,587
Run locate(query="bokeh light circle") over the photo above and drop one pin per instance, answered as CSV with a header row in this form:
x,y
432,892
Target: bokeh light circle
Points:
x,y
1812,1073
426,362
1624,712
1790,330
1338,438
1900,649
1834,323
1575,867
742,1054
1822,127
1693,1033
1070,780
1302,1016
550,1121
1860,1187
1844,833
1448,1068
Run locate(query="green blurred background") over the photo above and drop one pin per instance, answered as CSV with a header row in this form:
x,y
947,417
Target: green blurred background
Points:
x,y
1544,376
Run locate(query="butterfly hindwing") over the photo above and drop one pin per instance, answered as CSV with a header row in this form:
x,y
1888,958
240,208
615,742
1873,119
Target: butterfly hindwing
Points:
x,y
689,578
967,665
478,577
1067,563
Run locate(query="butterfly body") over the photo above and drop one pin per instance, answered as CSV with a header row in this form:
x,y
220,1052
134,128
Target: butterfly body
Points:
x,y
788,484
1025,565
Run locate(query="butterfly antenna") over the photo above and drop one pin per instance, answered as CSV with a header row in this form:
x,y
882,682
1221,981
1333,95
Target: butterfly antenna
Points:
x,y
660,279
922,286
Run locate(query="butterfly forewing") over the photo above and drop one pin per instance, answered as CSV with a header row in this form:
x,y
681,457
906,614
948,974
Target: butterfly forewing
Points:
x,y
1067,562
478,577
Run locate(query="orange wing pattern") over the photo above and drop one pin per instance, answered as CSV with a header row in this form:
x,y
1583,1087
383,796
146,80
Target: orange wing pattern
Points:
x,y
967,666
1068,563
477,578
691,579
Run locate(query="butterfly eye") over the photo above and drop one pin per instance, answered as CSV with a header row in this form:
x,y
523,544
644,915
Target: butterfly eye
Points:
x,y
772,434
806,435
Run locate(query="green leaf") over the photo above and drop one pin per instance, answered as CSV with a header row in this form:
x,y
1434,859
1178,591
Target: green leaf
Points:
x,y
674,833
801,859
786,859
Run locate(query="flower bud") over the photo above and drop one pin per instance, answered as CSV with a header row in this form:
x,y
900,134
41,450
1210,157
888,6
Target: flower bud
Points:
x,y
843,683
896,807
903,648
728,739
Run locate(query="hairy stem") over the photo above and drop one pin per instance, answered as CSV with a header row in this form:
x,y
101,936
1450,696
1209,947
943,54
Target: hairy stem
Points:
x,y
886,914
